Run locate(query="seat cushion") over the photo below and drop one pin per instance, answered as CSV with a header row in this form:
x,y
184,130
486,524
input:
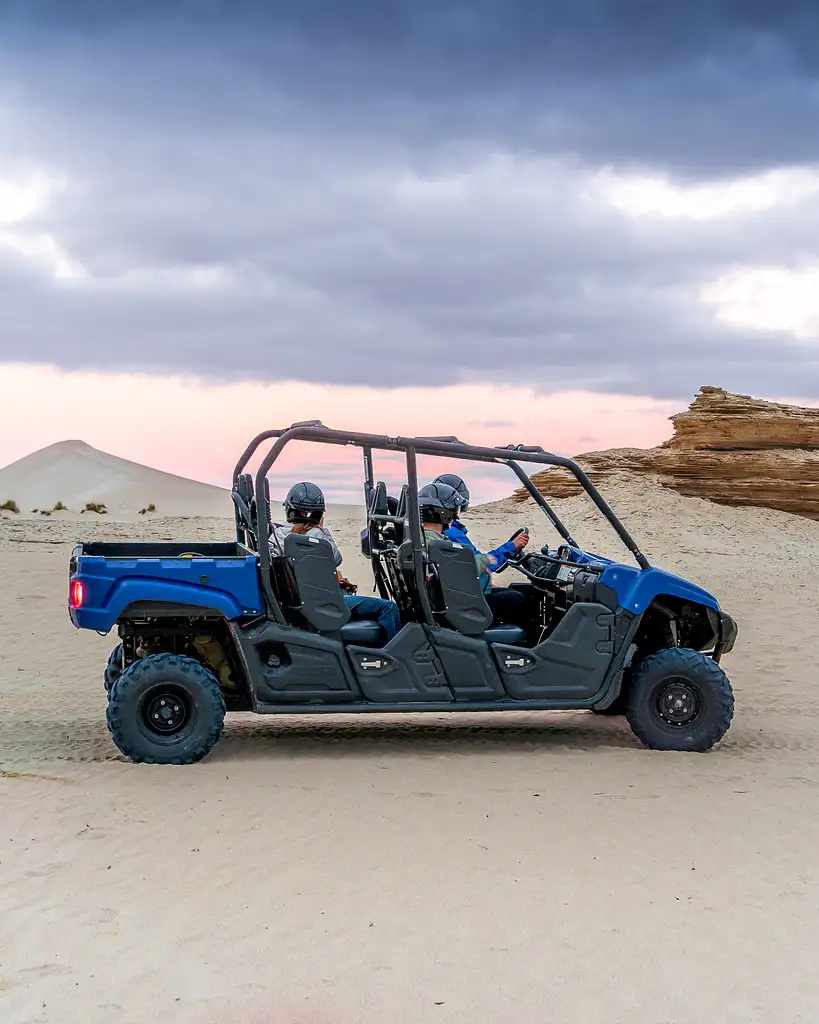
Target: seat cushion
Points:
x,y
505,634
362,633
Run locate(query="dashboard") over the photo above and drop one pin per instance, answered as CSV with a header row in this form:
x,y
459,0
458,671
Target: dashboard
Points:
x,y
557,572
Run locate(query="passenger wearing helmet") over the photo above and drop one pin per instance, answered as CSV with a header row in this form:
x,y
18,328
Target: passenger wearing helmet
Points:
x,y
439,503
456,531
304,507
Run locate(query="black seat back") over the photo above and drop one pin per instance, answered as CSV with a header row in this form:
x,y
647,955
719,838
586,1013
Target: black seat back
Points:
x,y
322,603
380,503
456,572
254,512
381,548
401,513
242,495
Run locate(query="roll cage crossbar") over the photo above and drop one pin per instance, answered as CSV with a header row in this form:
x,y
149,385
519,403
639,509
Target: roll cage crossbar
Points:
x,y
451,447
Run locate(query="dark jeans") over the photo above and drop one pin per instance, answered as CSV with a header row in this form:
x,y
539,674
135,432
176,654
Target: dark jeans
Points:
x,y
385,613
508,607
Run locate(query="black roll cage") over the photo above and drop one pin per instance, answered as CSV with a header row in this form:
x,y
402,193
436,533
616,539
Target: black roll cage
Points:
x,y
447,447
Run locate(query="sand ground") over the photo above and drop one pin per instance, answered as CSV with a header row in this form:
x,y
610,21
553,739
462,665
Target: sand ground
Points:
x,y
524,868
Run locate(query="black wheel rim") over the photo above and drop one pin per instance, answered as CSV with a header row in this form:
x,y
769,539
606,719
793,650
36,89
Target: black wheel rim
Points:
x,y
678,703
165,711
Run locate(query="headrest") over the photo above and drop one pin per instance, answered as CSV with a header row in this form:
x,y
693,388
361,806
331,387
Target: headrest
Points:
x,y
244,487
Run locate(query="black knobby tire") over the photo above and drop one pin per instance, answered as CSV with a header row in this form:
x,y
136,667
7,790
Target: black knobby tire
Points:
x,y
113,670
166,709
679,699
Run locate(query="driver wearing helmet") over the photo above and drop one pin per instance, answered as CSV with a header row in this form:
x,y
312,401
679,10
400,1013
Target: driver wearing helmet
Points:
x,y
439,503
456,531
304,507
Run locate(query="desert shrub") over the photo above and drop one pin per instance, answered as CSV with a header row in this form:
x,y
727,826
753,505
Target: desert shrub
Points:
x,y
151,507
96,506
10,505
45,511
59,507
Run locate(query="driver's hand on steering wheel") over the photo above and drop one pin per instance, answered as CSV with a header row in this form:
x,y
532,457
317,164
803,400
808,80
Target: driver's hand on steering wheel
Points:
x,y
521,541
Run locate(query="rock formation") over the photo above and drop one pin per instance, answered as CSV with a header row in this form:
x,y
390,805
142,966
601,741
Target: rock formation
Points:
x,y
730,449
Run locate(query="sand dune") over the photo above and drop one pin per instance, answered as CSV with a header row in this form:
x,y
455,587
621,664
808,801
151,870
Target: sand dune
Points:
x,y
74,473
451,869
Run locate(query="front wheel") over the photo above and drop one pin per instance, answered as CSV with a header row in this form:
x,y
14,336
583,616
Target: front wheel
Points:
x,y
166,709
679,699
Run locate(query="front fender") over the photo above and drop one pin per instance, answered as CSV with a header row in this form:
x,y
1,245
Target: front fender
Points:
x,y
637,588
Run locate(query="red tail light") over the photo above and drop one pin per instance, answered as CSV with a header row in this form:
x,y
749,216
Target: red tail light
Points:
x,y
77,593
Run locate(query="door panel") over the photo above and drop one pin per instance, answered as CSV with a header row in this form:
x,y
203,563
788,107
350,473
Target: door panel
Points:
x,y
569,665
406,669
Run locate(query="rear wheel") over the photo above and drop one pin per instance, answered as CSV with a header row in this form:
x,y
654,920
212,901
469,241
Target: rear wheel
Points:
x,y
166,709
679,699
113,670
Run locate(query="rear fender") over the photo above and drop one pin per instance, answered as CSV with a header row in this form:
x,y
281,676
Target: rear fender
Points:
x,y
132,591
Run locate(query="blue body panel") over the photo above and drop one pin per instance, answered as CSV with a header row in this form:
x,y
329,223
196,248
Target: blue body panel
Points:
x,y
637,588
230,586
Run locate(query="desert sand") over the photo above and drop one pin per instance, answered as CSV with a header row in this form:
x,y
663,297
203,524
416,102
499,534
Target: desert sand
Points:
x,y
439,868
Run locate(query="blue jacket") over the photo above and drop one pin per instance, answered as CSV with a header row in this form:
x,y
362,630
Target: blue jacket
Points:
x,y
456,532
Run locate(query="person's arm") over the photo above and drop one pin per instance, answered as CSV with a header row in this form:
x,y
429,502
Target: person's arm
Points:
x,y
494,559
482,562
276,541
499,556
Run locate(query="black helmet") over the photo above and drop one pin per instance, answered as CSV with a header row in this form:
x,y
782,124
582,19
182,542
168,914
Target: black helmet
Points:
x,y
304,503
438,503
453,480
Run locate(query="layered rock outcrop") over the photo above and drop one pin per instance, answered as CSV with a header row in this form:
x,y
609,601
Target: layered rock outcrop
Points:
x,y
730,449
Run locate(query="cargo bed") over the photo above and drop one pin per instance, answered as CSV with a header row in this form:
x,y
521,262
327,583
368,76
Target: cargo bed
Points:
x,y
110,580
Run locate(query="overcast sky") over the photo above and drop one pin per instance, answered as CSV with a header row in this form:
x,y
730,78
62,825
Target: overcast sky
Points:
x,y
606,196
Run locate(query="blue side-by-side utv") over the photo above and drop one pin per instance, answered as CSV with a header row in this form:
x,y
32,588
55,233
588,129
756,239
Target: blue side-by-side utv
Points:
x,y
210,628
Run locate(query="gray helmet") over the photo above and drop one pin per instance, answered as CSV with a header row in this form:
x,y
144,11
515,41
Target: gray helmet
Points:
x,y
304,503
438,503
453,480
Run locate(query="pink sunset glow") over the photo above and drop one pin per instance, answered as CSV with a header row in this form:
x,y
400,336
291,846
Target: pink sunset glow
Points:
x,y
198,429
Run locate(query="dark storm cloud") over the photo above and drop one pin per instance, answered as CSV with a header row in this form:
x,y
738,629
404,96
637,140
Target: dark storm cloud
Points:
x,y
393,193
